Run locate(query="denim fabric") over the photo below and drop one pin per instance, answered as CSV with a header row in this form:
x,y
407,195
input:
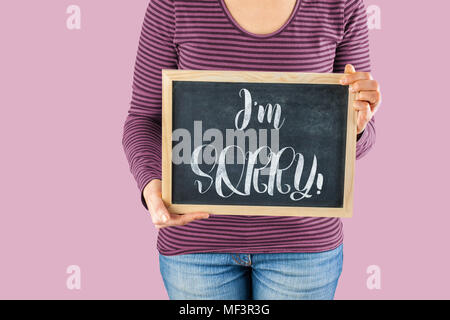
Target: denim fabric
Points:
x,y
262,276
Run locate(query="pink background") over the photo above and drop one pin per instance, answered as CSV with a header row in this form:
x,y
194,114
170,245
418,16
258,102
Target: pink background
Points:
x,y
68,198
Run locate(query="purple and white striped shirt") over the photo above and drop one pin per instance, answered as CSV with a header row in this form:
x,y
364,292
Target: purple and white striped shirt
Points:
x,y
320,36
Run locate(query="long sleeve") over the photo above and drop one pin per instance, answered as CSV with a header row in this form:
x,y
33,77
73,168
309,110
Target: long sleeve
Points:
x,y
142,129
354,49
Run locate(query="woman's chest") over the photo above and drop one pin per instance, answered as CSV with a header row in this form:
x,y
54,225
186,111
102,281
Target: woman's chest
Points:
x,y
260,16
206,38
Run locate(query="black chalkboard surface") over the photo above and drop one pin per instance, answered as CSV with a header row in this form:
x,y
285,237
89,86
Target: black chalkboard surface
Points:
x,y
257,143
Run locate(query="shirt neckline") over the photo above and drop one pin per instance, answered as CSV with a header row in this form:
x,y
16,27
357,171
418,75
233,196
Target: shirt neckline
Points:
x,y
256,35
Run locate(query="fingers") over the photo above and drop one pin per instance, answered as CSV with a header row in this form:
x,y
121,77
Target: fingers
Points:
x,y
362,122
364,85
364,114
370,96
361,106
356,76
161,217
349,68
367,94
158,210
182,219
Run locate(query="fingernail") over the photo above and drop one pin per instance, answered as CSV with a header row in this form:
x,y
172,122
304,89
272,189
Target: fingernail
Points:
x,y
351,89
343,81
164,218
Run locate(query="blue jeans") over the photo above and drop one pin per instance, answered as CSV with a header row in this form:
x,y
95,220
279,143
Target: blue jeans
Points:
x,y
261,276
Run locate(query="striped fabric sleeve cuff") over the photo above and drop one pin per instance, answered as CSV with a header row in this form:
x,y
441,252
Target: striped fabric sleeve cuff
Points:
x,y
359,135
366,140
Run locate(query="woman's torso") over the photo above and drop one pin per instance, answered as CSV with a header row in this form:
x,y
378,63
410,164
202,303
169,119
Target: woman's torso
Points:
x,y
207,37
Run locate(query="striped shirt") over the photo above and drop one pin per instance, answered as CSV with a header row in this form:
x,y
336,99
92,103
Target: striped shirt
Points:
x,y
320,36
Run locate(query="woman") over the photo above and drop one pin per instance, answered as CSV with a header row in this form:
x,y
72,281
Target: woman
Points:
x,y
245,257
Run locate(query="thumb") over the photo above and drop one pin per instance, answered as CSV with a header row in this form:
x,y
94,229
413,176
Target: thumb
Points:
x,y
158,207
349,68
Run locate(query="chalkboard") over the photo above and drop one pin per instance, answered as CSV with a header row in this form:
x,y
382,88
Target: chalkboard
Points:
x,y
257,143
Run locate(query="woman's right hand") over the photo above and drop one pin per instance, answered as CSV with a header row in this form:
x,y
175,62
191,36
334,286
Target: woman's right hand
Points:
x,y
161,217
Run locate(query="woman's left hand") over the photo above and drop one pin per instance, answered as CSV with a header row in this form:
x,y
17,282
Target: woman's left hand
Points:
x,y
367,94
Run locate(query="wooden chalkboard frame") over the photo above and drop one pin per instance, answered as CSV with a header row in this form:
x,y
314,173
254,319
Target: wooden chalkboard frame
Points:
x,y
170,75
